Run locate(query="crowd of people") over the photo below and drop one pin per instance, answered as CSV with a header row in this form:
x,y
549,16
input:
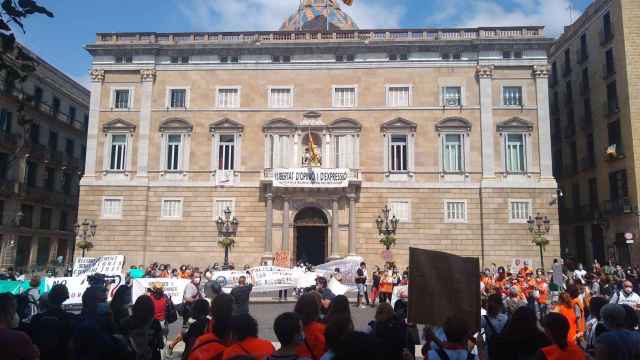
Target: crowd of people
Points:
x,y
568,313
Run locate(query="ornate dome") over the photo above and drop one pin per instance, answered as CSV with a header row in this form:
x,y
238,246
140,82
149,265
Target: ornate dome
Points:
x,y
319,15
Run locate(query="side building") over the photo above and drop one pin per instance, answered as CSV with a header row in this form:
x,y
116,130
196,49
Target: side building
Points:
x,y
595,109
41,163
449,128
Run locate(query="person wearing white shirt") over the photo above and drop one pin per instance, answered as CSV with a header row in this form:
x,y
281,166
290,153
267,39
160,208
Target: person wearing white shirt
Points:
x,y
579,273
627,296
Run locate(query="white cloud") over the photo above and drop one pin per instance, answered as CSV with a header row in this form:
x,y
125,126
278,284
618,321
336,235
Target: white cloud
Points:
x,y
248,15
83,79
552,14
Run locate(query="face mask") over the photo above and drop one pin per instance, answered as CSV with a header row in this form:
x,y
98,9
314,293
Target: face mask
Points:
x,y
15,322
103,308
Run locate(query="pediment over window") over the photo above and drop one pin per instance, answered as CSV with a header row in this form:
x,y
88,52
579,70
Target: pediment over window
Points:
x,y
399,124
226,124
279,124
311,115
515,124
119,125
454,123
345,124
175,124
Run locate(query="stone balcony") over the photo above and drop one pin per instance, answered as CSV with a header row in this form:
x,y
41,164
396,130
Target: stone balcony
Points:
x,y
351,176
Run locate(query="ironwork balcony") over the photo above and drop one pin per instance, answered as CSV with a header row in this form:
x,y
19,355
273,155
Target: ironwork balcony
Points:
x,y
617,207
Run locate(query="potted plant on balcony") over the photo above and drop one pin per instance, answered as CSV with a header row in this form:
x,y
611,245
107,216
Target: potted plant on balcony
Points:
x,y
84,245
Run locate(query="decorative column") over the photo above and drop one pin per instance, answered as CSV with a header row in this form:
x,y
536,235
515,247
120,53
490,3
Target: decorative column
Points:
x,y
268,227
97,78
147,76
485,74
352,224
335,220
541,74
33,252
285,224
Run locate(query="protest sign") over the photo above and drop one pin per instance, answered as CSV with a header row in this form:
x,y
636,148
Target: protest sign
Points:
x,y
13,287
174,288
434,297
107,265
77,286
282,259
348,267
399,292
337,288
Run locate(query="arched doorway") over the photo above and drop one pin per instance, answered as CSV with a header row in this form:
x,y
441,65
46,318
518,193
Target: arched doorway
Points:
x,y
311,235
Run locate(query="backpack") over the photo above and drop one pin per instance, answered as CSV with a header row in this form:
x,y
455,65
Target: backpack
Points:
x,y
171,314
27,306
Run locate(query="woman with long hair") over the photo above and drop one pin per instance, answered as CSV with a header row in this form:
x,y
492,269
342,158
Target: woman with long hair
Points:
x,y
214,343
143,330
339,306
308,308
120,305
566,307
521,337
556,327
390,331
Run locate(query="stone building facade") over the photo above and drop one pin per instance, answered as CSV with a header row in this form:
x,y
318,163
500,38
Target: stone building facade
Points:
x,y
41,163
306,134
594,105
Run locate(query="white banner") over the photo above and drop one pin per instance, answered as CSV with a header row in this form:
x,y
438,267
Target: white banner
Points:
x,y
348,267
174,288
77,286
107,265
270,278
399,292
311,177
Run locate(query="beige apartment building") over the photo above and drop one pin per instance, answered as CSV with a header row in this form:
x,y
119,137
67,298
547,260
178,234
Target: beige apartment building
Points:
x,y
595,104
306,133
40,167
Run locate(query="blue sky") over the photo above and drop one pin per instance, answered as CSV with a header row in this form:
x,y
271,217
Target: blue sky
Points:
x,y
60,40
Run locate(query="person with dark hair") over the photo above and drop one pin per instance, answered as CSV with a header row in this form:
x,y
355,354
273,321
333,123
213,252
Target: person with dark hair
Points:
x,y
93,337
288,329
556,328
143,331
567,308
337,329
339,306
617,342
456,347
200,311
51,330
494,322
244,334
361,283
630,318
595,326
241,295
120,304
14,344
390,331
521,337
191,294
326,295
358,345
308,308
578,309
375,286
212,344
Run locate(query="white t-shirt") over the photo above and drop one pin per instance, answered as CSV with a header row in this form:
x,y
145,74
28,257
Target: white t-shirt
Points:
x,y
621,298
579,275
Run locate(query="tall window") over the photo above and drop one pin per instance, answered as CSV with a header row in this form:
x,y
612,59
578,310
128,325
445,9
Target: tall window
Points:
x,y
280,151
398,95
226,152
50,181
584,53
112,208
37,95
280,97
512,95
344,97
344,151
6,118
72,114
64,219
618,186
452,153
451,96
67,179
178,98
615,137
607,27
171,208
55,106
174,144
121,99
31,173
53,140
229,97
515,153
612,98
455,211
398,153
117,160
609,64
519,211
69,147
594,197
45,218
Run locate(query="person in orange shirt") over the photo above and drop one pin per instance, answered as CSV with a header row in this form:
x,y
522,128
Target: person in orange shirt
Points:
x,y
578,306
566,308
525,270
557,327
542,292
314,345
211,346
244,332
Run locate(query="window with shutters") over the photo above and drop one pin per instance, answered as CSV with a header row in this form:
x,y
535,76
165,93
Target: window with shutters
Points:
x,y
515,153
178,98
519,210
344,96
280,151
455,211
452,96
398,153
453,153
512,96
174,152
401,209
344,151
228,97
226,152
118,153
398,95
112,207
171,209
220,205
122,99
280,97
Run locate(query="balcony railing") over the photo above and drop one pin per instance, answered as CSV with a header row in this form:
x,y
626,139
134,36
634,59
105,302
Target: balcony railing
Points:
x,y
354,174
617,207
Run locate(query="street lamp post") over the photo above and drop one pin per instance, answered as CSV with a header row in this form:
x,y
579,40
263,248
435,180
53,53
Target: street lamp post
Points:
x,y
387,228
227,228
540,227
86,232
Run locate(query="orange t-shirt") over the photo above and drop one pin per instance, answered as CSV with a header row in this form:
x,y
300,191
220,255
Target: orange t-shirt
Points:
x,y
581,323
207,347
543,289
314,337
570,314
572,352
252,346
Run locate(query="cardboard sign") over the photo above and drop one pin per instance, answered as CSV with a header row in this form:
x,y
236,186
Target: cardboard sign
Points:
x,y
174,288
107,265
282,259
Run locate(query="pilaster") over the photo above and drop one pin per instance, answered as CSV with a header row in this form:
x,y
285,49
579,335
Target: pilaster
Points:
x,y
285,224
147,77
485,76
268,231
352,224
97,79
541,74
335,235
